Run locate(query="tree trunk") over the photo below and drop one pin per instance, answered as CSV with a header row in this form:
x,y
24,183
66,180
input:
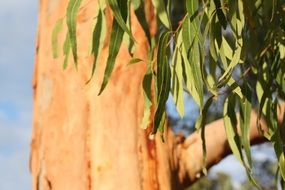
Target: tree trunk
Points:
x,y
84,141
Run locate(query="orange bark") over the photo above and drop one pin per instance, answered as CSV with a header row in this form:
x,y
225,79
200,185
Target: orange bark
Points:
x,y
84,141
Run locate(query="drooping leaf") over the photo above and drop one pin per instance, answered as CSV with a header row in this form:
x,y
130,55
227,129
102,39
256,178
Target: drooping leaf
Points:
x,y
120,15
147,81
102,4
131,43
233,63
96,41
200,124
162,81
245,114
177,81
161,12
276,135
116,39
188,77
230,123
233,86
55,32
140,14
66,50
192,9
220,14
276,139
235,142
134,61
190,42
201,121
72,10
161,126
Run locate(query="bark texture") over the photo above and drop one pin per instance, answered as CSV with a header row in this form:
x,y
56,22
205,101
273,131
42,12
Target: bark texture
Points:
x,y
84,141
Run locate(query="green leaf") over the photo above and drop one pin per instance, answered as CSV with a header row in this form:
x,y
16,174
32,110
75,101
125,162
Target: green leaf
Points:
x,y
116,39
120,13
147,81
245,114
72,10
220,14
190,42
161,126
200,124
230,123
234,62
177,83
189,77
102,4
187,35
277,144
192,9
96,41
276,134
140,14
161,12
134,61
227,49
215,35
235,142
55,32
162,81
131,44
233,86
66,50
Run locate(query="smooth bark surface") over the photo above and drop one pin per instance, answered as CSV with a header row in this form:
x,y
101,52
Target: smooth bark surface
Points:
x,y
84,141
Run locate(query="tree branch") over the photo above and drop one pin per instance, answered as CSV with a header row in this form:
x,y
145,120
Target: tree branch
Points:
x,y
187,155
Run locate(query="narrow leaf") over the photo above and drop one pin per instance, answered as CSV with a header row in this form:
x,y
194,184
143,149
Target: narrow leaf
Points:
x,y
120,13
72,10
66,50
189,78
55,32
234,62
163,80
140,14
134,61
230,123
177,83
116,39
147,81
220,14
245,113
161,12
191,46
96,41
200,124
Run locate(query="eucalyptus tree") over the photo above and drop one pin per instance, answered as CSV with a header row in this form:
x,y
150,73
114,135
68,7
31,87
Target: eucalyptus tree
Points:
x,y
105,69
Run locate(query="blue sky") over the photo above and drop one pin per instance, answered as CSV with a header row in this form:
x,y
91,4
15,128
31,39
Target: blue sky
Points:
x,y
18,20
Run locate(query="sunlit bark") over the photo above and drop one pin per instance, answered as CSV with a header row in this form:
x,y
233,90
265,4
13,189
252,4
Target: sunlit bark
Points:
x,y
84,141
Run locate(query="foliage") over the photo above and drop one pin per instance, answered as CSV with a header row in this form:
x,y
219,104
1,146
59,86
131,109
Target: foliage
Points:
x,y
234,49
